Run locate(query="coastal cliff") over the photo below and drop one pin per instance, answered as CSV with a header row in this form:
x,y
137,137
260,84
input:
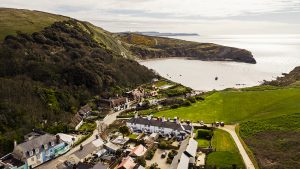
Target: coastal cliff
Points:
x,y
150,47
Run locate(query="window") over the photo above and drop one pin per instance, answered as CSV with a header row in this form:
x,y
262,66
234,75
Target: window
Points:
x,y
37,150
31,153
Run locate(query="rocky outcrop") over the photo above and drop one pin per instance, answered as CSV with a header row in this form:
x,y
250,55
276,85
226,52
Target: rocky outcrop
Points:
x,y
148,47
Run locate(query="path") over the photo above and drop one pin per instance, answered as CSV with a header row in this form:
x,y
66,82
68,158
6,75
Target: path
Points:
x,y
231,130
109,119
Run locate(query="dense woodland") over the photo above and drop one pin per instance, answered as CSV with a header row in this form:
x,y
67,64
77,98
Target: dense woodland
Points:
x,y
48,75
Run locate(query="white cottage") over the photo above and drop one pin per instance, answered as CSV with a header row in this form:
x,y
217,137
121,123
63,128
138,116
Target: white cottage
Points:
x,y
160,125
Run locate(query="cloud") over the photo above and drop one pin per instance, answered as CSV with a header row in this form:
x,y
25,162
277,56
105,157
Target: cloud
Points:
x,y
195,11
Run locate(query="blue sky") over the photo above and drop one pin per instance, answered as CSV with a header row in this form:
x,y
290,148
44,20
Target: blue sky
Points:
x,y
201,16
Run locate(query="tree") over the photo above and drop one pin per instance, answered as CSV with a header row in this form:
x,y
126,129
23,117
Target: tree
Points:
x,y
154,166
141,160
124,130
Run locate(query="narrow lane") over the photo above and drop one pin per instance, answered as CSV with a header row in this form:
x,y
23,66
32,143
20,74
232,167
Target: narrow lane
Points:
x,y
231,130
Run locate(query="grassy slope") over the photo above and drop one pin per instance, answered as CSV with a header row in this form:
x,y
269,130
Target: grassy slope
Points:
x,y
12,20
226,151
282,150
236,106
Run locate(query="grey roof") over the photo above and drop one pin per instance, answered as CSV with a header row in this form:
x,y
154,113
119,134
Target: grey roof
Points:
x,y
159,123
187,150
87,149
100,165
36,143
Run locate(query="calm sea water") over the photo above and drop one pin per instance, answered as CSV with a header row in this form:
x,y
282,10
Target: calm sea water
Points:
x,y
275,54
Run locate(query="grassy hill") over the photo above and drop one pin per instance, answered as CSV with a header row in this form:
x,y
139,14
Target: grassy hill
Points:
x,y
26,21
275,141
237,106
47,73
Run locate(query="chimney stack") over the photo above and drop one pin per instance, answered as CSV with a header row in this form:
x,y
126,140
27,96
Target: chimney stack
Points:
x,y
15,143
57,140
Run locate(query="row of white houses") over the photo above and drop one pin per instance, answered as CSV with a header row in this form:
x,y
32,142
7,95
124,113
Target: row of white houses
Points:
x,y
160,125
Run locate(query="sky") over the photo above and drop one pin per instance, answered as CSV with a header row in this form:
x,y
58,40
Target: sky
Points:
x,y
211,17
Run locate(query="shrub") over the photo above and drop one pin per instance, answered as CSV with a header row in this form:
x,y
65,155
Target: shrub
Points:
x,y
204,134
191,99
150,153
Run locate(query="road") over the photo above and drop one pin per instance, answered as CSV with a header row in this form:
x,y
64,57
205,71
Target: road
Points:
x,y
231,130
109,119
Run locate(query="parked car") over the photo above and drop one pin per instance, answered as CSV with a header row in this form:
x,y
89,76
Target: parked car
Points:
x,y
222,124
217,124
164,154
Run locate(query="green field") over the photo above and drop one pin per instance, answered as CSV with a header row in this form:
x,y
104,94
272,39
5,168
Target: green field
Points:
x,y
26,21
237,106
226,153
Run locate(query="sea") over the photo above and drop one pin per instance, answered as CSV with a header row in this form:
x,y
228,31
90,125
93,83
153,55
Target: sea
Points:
x,y
275,55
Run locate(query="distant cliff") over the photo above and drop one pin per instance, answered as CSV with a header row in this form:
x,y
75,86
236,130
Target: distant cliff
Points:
x,y
149,47
292,78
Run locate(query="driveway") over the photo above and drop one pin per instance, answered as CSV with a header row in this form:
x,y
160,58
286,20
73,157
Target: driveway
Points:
x,y
162,162
231,130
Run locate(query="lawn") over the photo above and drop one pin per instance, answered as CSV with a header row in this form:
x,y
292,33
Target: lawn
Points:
x,y
226,153
237,106
132,136
202,142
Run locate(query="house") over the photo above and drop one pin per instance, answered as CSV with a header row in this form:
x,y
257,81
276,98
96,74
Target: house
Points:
x,y
112,148
127,163
10,162
136,94
36,150
161,126
76,121
85,111
138,151
67,138
186,154
115,104
120,140
86,151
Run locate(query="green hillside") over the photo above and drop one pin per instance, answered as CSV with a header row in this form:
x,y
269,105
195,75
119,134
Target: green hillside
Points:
x,y
26,21
275,141
48,74
237,106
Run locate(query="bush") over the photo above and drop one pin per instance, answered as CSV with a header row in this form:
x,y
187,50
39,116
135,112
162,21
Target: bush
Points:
x,y
204,134
171,156
141,160
199,98
175,106
191,99
150,153
186,103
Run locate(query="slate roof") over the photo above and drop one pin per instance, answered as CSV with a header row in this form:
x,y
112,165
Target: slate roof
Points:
x,y
36,143
88,149
159,123
76,120
85,109
186,152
